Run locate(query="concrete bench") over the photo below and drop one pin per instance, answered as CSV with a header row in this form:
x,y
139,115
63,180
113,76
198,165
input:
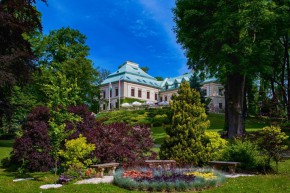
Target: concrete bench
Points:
x,y
231,165
165,164
100,168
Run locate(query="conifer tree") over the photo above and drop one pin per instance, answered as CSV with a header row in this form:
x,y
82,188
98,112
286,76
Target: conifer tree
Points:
x,y
189,122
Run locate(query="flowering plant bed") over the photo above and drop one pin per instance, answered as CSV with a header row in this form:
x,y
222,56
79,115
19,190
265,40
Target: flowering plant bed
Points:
x,y
179,179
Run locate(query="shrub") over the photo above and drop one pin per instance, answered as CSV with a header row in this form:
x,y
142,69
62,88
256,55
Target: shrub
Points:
x,y
159,120
214,145
32,149
189,122
273,144
118,142
157,117
76,152
123,143
245,152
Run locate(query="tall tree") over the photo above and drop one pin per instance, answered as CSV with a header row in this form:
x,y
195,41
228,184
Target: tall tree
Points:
x,y
64,51
230,40
16,57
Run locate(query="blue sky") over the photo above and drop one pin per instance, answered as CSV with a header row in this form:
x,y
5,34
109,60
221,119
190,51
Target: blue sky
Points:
x,y
121,30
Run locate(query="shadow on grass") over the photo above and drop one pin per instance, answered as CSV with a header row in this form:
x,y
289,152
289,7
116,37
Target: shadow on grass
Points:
x,y
6,143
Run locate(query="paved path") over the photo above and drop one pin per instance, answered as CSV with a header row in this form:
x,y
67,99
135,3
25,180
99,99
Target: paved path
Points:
x,y
105,179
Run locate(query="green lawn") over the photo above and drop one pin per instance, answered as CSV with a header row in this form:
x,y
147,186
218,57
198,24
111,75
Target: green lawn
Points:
x,y
216,124
5,148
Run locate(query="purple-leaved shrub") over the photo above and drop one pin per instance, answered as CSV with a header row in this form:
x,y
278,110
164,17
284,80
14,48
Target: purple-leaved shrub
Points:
x,y
117,142
32,149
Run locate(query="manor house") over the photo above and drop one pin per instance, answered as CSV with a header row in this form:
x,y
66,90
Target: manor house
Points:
x,y
130,81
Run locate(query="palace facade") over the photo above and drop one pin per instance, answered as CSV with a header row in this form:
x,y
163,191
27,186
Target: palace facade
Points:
x,y
130,81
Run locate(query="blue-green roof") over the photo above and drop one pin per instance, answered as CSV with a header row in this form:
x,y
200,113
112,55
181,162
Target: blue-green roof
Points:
x,y
131,72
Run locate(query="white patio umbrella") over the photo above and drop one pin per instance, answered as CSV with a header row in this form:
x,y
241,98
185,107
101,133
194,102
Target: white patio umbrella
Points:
x,y
150,103
163,103
136,103
126,105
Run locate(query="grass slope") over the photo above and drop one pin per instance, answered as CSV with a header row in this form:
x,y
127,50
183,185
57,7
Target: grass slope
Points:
x,y
216,124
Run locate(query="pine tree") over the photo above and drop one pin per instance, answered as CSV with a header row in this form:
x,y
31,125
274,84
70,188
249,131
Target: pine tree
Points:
x,y
189,122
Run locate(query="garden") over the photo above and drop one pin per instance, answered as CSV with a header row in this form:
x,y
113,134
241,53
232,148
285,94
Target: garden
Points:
x,y
59,146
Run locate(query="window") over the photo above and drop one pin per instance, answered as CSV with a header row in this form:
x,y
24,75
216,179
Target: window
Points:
x,y
176,85
132,91
148,94
116,92
110,93
139,80
139,93
221,93
166,87
165,98
156,96
220,105
203,92
104,94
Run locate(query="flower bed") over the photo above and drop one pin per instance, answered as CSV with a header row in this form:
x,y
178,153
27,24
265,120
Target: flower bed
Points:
x,y
179,179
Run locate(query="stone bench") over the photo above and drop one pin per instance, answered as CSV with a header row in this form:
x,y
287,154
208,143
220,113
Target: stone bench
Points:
x,y
165,164
231,165
100,168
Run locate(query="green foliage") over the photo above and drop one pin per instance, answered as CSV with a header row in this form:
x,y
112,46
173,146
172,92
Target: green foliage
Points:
x,y
214,145
233,41
145,68
189,122
76,152
159,78
245,152
23,100
130,100
134,117
159,120
273,143
64,63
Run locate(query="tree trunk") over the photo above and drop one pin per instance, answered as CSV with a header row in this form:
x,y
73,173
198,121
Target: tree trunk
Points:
x,y
226,126
286,62
235,104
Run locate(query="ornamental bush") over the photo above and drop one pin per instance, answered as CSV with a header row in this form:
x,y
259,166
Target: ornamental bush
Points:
x,y
273,144
32,149
214,145
243,151
117,142
76,153
189,122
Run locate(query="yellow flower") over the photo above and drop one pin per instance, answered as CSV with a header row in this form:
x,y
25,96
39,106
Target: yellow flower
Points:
x,y
206,175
